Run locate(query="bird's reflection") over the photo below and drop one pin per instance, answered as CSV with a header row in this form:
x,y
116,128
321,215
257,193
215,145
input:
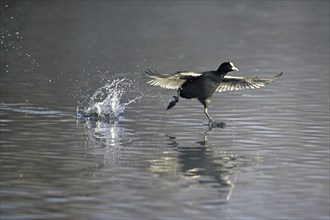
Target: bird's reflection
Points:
x,y
201,163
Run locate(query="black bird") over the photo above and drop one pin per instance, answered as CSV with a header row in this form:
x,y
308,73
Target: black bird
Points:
x,y
203,85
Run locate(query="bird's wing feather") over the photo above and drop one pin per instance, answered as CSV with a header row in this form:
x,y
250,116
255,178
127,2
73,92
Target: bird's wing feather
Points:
x,y
231,83
169,81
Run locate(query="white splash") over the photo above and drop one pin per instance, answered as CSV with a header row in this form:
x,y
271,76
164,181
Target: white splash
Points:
x,y
106,101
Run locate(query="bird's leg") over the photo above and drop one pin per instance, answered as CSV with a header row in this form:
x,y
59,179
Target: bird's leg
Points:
x,y
173,103
211,123
208,116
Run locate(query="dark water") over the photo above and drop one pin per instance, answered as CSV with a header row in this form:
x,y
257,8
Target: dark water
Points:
x,y
270,162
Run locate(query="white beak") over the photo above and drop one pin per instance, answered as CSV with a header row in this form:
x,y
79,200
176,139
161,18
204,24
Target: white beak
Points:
x,y
234,68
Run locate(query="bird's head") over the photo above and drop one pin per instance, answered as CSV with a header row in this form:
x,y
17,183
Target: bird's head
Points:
x,y
227,67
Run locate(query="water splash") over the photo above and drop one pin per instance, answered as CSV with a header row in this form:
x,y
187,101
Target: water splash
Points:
x,y
105,103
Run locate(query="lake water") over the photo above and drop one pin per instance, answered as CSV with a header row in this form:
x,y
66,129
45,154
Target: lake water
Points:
x,y
271,161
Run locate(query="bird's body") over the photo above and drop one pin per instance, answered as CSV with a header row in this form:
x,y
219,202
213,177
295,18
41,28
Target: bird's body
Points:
x,y
203,85
200,87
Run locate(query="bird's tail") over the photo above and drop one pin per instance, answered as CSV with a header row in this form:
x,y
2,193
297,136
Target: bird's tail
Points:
x,y
173,103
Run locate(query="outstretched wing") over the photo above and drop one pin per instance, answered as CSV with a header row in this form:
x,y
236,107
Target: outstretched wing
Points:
x,y
169,81
231,83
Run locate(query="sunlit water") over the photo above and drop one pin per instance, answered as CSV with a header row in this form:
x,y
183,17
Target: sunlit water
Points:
x,y
133,159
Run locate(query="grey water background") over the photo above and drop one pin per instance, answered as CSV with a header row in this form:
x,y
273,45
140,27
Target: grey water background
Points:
x,y
270,162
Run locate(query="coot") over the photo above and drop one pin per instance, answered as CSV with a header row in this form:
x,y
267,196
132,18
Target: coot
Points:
x,y
203,85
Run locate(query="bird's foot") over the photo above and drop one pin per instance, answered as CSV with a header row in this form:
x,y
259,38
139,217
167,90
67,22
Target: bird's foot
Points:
x,y
172,103
213,124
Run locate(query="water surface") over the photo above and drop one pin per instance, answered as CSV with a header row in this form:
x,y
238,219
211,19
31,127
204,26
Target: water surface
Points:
x,y
270,162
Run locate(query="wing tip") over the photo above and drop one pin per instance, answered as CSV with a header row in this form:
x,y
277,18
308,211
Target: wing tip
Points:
x,y
277,76
280,74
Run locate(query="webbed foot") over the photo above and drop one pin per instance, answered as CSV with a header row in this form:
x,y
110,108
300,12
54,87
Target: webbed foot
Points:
x,y
213,124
